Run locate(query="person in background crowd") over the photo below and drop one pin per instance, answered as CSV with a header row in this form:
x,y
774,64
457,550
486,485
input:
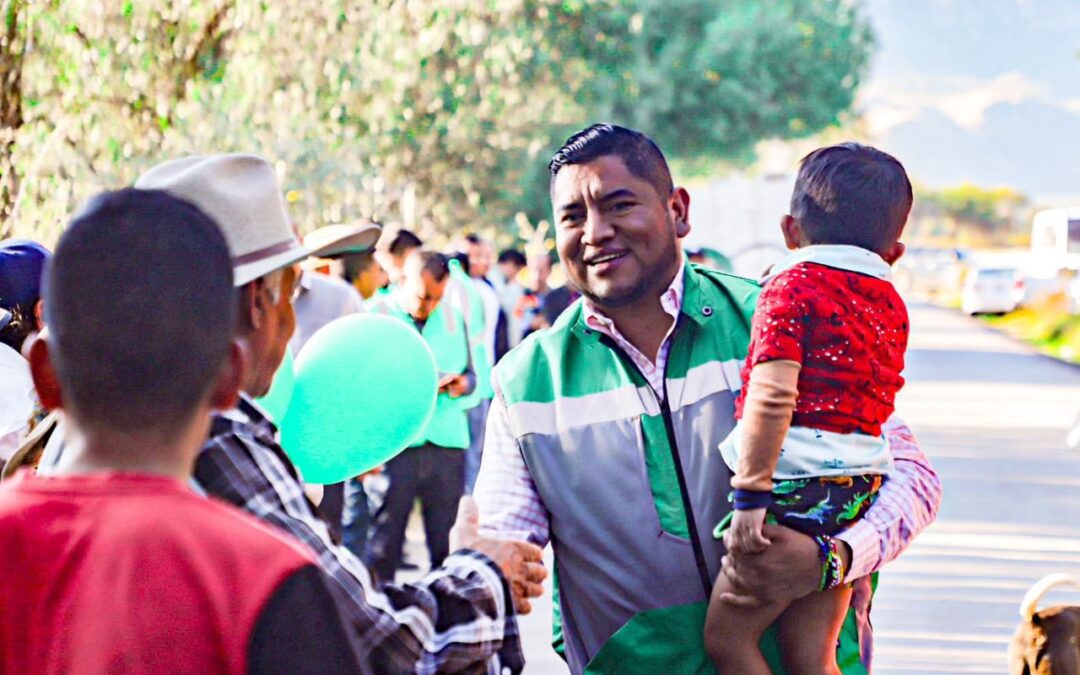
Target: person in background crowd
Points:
x,y
115,564
22,263
531,306
539,272
459,617
395,251
433,469
364,273
479,259
557,301
698,257
320,299
508,284
509,263
479,256
368,277
709,257
604,429
510,289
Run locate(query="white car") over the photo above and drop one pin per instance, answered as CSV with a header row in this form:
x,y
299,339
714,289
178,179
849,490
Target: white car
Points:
x,y
929,271
992,291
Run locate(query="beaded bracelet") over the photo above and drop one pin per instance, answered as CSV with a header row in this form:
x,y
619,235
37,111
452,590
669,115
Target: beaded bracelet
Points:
x,y
823,557
832,563
836,564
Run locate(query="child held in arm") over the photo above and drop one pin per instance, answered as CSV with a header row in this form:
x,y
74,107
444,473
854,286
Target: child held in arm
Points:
x,y
826,351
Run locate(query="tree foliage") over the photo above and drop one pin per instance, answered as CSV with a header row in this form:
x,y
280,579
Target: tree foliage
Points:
x,y
975,206
710,78
436,113
971,213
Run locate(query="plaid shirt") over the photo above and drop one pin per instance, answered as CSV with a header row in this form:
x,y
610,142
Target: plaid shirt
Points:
x,y
459,618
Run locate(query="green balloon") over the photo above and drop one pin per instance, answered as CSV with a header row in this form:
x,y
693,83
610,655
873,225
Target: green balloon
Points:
x,y
276,401
365,389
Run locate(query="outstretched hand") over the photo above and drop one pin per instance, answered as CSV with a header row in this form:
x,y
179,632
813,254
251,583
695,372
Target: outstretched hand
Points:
x,y
519,561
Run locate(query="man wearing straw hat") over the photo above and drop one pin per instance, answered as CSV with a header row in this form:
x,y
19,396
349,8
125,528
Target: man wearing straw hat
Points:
x,y
461,615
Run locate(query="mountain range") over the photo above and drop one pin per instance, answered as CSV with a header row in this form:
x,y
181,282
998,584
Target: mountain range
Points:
x,y
979,91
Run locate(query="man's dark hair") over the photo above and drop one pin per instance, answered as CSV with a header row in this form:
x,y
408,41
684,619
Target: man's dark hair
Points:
x,y
474,239
641,156
513,256
462,259
402,242
435,264
21,323
355,264
140,307
852,194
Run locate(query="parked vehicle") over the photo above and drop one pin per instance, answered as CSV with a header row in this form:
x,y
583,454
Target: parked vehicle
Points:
x,y
930,271
992,290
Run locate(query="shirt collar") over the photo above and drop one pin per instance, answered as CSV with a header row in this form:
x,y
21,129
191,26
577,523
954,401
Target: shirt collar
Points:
x,y
247,411
305,280
671,301
842,257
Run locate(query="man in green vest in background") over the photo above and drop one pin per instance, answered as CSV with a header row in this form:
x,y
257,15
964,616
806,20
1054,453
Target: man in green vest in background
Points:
x,y
433,469
604,431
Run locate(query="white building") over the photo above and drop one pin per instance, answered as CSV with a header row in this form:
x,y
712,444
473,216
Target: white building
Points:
x,y
740,217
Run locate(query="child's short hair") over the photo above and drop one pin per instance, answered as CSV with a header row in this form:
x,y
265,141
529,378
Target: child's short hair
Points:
x,y
140,305
852,194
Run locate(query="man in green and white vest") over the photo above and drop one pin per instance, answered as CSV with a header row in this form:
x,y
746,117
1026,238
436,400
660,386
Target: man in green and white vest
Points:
x,y
433,468
604,429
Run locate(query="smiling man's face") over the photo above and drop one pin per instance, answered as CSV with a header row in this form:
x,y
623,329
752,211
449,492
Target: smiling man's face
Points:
x,y
617,237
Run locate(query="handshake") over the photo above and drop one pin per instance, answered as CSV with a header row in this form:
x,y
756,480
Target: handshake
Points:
x,y
519,561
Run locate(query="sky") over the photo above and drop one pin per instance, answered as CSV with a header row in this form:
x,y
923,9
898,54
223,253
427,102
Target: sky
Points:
x,y
982,91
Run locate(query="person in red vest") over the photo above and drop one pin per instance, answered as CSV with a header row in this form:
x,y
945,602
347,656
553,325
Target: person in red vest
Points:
x,y
114,564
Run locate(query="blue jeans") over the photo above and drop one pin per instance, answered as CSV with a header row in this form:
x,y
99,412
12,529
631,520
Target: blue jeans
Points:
x,y
355,518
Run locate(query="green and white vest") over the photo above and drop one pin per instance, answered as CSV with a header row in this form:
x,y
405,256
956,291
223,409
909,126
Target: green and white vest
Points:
x,y
444,332
634,485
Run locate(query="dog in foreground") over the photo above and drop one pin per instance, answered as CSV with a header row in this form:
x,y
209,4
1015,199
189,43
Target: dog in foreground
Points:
x,y
1047,642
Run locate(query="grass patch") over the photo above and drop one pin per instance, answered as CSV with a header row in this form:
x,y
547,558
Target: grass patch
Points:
x,y
1047,325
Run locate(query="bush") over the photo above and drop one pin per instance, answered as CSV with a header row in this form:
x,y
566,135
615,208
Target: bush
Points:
x,y
1047,325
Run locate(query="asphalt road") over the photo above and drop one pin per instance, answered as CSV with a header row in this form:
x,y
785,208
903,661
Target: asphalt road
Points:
x,y
992,416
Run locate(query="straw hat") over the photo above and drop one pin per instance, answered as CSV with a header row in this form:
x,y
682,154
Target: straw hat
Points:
x,y
332,241
241,194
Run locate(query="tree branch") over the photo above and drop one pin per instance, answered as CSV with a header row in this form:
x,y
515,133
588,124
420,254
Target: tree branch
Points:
x,y
12,55
211,40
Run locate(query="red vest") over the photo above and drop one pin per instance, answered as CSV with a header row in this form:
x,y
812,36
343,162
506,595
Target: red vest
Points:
x,y
129,573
